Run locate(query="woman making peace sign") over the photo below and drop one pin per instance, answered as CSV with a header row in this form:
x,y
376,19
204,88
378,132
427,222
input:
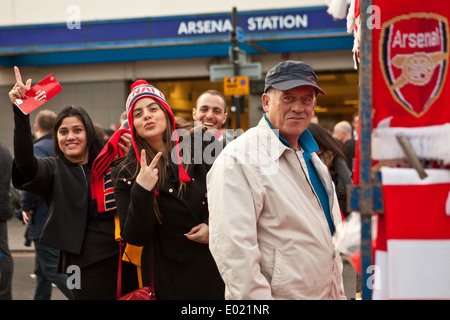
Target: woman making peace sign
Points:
x,y
162,204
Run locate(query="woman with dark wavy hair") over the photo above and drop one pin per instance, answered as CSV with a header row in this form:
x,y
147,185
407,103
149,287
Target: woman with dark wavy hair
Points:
x,y
85,237
162,201
93,145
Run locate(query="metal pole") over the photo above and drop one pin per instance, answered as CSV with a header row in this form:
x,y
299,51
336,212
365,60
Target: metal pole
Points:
x,y
366,197
234,40
235,57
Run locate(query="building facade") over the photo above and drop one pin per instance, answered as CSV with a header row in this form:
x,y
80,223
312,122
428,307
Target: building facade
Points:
x,y
97,49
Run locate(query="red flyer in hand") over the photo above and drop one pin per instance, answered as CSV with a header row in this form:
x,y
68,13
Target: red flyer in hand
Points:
x,y
39,94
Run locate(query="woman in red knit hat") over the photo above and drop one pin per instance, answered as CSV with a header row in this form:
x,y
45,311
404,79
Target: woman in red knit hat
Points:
x,y
162,202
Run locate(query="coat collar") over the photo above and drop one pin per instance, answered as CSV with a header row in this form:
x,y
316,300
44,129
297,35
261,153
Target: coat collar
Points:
x,y
48,136
272,139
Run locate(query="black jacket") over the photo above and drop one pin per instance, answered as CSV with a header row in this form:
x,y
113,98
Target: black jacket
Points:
x,y
65,189
5,183
342,176
183,269
43,148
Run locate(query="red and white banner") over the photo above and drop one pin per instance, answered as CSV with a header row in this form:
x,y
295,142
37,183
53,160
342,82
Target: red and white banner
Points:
x,y
411,90
412,250
410,95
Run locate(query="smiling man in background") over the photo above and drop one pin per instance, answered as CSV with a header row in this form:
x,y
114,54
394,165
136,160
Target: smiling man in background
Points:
x,y
210,109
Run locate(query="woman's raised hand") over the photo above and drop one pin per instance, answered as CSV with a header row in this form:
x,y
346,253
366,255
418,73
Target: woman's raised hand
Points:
x,y
125,142
19,89
148,176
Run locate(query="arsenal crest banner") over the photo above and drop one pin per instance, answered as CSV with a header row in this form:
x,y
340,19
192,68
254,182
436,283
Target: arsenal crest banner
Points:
x,y
411,89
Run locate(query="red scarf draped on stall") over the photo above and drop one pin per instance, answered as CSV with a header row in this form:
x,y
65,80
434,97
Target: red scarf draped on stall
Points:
x,y
411,95
412,256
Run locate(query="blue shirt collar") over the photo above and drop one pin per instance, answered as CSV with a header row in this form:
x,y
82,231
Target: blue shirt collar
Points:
x,y
306,140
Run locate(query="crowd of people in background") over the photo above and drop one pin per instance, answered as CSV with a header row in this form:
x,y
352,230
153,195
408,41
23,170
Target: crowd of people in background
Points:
x,y
231,229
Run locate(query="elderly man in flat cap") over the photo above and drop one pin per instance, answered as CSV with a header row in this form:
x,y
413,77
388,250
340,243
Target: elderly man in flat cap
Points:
x,y
273,210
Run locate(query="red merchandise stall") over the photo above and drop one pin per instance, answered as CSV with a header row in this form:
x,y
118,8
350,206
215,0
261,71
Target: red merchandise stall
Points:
x,y
402,182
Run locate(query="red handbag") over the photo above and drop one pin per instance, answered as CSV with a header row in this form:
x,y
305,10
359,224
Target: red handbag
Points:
x,y
144,293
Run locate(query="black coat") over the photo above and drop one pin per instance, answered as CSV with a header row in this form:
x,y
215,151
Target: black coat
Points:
x,y
43,148
5,183
183,269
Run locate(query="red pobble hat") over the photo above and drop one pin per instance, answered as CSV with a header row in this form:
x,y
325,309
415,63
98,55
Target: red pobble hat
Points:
x,y
141,89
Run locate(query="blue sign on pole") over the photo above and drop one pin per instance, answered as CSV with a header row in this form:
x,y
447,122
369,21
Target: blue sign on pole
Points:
x,y
239,34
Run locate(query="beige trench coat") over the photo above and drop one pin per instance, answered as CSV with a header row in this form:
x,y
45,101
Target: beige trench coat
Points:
x,y
268,233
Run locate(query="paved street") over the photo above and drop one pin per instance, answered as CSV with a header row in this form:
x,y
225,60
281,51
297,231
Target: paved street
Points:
x,y
23,285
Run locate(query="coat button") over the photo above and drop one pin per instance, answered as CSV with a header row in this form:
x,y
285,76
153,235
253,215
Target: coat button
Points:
x,y
129,182
203,202
170,190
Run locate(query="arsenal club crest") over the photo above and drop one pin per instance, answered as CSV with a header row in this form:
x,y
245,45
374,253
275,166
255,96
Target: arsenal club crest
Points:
x,y
414,51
